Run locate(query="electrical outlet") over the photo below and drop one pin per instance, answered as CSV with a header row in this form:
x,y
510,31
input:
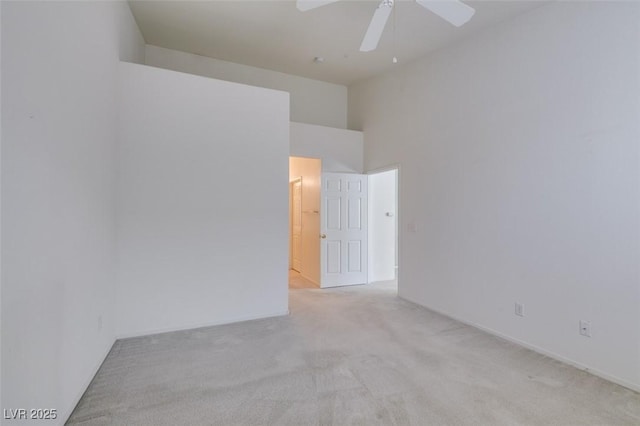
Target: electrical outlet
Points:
x,y
519,311
585,328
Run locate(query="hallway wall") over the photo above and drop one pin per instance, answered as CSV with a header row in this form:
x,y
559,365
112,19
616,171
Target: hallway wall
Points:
x,y
340,150
312,101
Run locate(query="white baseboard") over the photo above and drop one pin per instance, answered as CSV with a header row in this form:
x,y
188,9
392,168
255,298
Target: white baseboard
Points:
x,y
150,332
603,375
63,417
343,285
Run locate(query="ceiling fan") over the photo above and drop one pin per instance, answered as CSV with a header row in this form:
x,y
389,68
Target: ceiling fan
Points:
x,y
452,11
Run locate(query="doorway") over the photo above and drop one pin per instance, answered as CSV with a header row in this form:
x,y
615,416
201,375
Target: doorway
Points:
x,y
304,222
383,227
364,202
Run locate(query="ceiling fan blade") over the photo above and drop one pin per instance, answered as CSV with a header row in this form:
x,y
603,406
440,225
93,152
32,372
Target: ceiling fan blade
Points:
x,y
452,11
304,5
376,27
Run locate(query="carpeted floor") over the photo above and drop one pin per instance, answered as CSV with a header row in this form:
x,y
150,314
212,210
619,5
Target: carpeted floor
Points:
x,y
354,355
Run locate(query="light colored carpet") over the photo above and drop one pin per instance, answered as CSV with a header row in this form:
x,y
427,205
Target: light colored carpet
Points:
x,y
355,355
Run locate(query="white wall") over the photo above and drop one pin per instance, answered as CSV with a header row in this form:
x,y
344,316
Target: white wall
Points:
x,y
1,275
520,171
312,101
310,170
202,201
131,46
59,75
340,150
382,226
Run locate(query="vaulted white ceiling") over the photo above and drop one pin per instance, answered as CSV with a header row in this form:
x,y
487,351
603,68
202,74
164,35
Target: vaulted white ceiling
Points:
x,y
275,35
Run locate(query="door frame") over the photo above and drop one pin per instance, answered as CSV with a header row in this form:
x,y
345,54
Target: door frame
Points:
x,y
291,183
399,219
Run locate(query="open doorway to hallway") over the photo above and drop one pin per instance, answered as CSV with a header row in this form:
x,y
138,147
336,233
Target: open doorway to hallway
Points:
x,y
383,227
335,238
304,222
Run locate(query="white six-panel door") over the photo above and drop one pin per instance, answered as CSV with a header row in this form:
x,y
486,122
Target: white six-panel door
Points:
x,y
343,238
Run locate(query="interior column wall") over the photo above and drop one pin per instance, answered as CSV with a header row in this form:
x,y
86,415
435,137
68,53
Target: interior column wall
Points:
x,y
202,201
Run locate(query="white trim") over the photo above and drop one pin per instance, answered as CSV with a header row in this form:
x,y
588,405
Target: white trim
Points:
x,y
201,325
603,375
388,168
399,220
64,416
291,183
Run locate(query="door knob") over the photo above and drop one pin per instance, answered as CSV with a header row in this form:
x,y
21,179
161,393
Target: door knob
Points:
x,y
323,236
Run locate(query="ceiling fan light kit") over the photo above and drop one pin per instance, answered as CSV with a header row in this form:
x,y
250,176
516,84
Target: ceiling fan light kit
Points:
x,y
453,11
